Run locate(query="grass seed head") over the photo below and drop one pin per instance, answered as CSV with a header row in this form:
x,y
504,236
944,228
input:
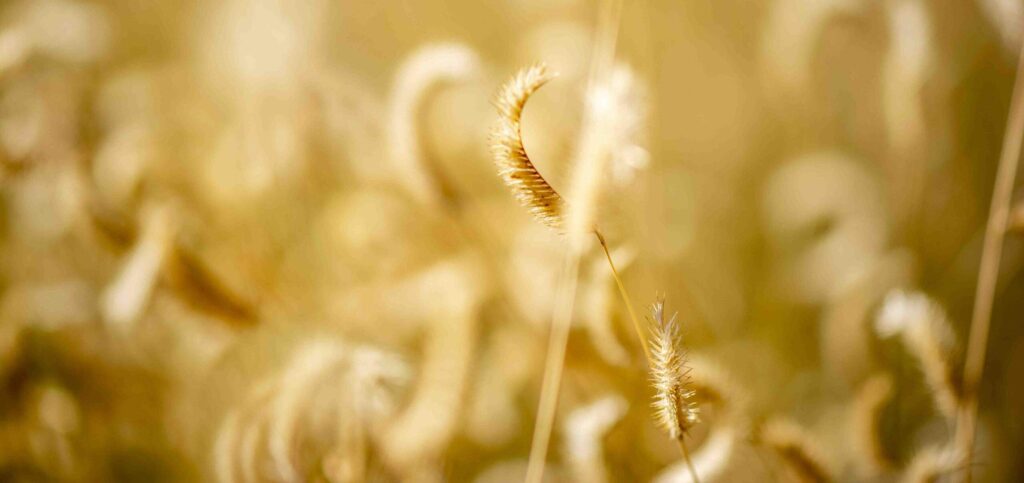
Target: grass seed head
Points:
x,y
674,406
514,165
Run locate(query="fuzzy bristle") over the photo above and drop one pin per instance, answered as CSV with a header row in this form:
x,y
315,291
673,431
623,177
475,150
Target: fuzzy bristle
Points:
x,y
674,406
927,334
514,165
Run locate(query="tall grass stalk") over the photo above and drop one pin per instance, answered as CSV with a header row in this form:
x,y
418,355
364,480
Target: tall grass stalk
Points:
x,y
988,274
582,206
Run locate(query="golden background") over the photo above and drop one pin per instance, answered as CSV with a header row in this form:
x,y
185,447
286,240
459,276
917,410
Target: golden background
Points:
x,y
265,240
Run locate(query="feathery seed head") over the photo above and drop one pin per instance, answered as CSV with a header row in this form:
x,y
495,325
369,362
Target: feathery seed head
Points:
x,y
514,165
797,449
674,406
928,336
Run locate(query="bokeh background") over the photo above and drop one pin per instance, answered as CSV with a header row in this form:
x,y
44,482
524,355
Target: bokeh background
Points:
x,y
264,240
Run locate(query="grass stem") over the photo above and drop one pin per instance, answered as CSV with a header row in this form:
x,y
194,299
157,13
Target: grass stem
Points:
x,y
625,296
988,273
686,457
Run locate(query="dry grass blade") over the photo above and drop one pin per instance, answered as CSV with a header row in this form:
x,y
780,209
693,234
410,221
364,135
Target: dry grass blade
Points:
x,y
554,361
514,165
988,273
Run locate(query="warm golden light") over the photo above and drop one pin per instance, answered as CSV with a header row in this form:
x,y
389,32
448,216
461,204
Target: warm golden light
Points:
x,y
511,240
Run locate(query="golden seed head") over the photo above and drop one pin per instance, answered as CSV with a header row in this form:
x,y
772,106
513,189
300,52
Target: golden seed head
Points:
x,y
514,165
926,333
674,406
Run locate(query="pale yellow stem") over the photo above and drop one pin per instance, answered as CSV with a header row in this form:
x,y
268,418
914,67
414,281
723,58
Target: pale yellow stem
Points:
x,y
625,296
601,60
553,364
988,274
686,457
